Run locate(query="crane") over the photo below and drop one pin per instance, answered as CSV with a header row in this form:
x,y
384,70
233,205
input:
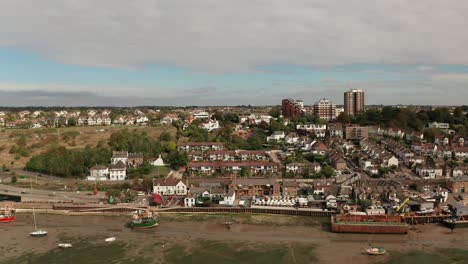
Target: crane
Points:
x,y
402,204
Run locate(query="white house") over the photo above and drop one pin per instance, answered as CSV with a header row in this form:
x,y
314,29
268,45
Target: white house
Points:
x,y
118,171
292,138
159,162
201,115
189,201
119,156
438,125
169,187
389,161
229,199
98,173
331,201
318,129
277,135
211,125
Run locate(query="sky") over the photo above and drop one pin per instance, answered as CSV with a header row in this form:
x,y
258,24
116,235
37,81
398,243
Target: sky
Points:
x,y
220,52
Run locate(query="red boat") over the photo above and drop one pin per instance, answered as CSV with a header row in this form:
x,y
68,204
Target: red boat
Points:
x,y
7,215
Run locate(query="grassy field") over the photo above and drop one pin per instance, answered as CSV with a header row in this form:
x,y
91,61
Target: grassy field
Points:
x,y
39,140
441,256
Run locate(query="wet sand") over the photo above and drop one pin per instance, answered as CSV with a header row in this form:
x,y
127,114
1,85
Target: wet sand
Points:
x,y
331,247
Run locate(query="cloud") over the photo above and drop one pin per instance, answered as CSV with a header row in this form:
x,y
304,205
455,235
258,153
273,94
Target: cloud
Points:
x,y
213,35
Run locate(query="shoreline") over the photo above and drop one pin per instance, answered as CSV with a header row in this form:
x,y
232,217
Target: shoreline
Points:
x,y
187,230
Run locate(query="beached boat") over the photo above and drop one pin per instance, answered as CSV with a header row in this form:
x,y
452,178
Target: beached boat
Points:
x,y
456,223
37,233
143,219
65,245
110,239
376,251
7,215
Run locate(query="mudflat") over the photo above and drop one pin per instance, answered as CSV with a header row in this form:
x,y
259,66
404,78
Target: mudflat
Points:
x,y
184,237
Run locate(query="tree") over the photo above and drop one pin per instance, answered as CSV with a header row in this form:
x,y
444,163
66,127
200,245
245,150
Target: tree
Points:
x,y
14,179
244,172
165,136
72,122
147,184
328,172
177,159
365,203
275,111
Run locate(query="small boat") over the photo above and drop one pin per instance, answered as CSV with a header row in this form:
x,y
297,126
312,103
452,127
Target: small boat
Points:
x,y
143,219
110,239
7,215
65,245
376,251
37,233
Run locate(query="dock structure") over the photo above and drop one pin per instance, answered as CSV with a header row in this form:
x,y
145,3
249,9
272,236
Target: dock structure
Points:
x,y
284,211
424,219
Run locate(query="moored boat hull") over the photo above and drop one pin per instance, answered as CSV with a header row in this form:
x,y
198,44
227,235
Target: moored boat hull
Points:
x,y
7,219
455,224
39,233
143,224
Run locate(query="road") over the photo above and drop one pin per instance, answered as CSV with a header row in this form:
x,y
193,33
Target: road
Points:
x,y
50,196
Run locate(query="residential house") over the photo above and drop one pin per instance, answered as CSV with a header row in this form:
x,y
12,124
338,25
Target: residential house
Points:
x,y
119,156
210,125
356,132
290,188
335,159
200,146
460,152
441,140
335,130
255,186
319,130
459,171
318,147
458,184
255,155
391,132
302,167
159,162
229,199
98,173
252,167
277,136
438,125
169,187
429,172
117,171
221,155
457,141
135,160
389,160
291,138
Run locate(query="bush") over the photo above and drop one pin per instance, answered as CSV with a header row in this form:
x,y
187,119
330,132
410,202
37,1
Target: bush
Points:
x,y
14,179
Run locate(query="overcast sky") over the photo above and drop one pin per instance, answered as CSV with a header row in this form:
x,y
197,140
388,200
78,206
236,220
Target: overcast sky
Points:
x,y
215,52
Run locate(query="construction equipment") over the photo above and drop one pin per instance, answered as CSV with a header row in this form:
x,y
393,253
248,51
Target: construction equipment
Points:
x,y
401,205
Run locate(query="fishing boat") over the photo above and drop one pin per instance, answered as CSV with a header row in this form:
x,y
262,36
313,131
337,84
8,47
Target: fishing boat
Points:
x,y
143,219
376,251
65,245
7,215
37,233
